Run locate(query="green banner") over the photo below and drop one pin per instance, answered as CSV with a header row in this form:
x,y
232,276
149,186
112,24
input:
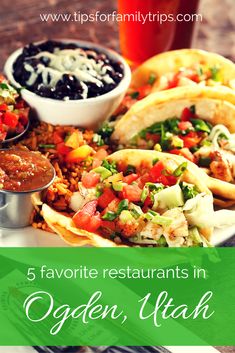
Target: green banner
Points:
x,y
136,296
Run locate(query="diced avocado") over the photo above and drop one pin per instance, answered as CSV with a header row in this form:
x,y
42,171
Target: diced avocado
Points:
x,y
162,241
104,173
195,236
118,186
176,141
161,220
126,216
157,147
135,210
169,198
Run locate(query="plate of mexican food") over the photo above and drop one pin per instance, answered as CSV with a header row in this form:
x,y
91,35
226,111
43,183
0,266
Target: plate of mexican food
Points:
x,y
155,168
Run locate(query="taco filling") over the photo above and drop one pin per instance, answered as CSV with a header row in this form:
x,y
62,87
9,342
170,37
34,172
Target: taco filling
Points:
x,y
147,206
199,74
210,147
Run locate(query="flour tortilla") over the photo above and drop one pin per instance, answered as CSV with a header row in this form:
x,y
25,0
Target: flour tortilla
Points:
x,y
215,105
173,61
65,227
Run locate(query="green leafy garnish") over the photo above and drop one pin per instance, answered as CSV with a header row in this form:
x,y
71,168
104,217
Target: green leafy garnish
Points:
x,y
135,95
200,71
189,191
47,146
155,160
98,140
180,169
109,216
152,79
123,205
153,129
144,194
171,125
201,125
106,130
4,85
110,166
214,73
162,242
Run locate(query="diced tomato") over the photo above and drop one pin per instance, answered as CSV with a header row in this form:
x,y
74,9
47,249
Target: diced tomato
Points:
x,y
3,107
144,91
171,180
106,198
190,74
173,82
156,171
10,119
108,225
175,151
148,201
130,178
88,218
90,207
191,139
184,125
100,155
62,149
186,114
121,166
91,179
57,137
154,137
131,193
143,180
94,223
85,221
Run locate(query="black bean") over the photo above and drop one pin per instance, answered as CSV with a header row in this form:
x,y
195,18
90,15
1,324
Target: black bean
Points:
x,y
69,86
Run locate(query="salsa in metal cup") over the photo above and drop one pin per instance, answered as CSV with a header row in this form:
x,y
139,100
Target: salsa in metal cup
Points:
x,y
24,171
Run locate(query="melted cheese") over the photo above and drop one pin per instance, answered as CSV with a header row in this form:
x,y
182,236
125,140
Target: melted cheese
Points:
x,y
72,62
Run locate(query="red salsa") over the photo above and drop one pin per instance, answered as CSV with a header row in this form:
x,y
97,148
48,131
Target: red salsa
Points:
x,y
24,170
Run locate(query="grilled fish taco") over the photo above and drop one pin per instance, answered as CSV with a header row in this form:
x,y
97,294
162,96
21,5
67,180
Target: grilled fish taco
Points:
x,y
197,123
185,67
138,197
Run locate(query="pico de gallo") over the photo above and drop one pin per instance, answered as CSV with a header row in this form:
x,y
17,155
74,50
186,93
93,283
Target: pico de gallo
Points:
x,y
144,206
200,74
13,112
211,147
73,146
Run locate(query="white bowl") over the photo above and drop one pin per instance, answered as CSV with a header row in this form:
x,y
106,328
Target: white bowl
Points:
x,y
88,112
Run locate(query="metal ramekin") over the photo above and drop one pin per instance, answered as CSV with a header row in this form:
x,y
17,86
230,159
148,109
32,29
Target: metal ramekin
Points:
x,y
16,207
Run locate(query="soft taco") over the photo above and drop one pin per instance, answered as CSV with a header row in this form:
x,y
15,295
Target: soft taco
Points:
x,y
197,123
138,198
185,67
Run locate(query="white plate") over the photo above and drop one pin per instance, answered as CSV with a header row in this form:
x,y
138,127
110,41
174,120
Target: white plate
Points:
x,y
30,237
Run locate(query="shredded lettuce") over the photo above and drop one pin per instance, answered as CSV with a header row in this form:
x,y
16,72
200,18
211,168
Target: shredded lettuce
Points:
x,y
169,198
